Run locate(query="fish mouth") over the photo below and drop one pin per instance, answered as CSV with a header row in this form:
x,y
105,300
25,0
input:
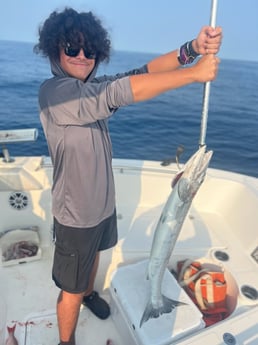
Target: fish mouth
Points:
x,y
197,165
193,174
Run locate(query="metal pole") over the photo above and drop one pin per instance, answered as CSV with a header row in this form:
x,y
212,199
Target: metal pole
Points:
x,y
207,85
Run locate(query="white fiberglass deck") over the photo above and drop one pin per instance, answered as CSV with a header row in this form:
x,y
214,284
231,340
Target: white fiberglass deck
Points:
x,y
223,218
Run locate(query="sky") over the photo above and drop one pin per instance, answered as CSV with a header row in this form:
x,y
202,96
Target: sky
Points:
x,y
145,26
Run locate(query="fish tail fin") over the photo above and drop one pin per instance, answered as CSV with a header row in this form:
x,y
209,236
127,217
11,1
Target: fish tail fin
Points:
x,y
11,329
167,306
170,304
147,314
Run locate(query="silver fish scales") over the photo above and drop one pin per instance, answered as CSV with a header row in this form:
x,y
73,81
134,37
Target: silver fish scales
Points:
x,y
185,186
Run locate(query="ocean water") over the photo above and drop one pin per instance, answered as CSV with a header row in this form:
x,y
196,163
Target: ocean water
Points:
x,y
149,130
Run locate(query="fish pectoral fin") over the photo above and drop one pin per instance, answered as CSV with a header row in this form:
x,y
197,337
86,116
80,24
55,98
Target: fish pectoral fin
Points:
x,y
167,306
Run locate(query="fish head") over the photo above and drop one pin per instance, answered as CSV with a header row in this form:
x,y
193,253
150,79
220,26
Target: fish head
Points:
x,y
193,174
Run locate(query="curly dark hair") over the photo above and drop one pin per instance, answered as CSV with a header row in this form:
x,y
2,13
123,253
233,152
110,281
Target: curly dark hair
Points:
x,y
79,29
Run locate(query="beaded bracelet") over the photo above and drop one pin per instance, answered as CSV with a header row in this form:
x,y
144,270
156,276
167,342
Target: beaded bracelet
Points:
x,y
186,53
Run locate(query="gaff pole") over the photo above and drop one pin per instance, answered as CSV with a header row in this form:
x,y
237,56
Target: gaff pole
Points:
x,y
207,85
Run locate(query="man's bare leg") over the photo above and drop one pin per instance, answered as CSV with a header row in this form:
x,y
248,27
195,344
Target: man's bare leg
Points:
x,y
68,307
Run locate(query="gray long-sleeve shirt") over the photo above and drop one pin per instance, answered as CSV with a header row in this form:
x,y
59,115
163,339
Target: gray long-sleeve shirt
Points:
x,y
74,116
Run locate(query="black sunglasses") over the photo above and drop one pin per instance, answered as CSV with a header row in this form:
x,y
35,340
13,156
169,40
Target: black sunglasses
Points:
x,y
73,52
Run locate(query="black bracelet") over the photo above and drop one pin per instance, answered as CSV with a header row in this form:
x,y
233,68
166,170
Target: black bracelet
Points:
x,y
186,53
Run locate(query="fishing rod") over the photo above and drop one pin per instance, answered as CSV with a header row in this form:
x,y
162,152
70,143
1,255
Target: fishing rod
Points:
x,y
207,85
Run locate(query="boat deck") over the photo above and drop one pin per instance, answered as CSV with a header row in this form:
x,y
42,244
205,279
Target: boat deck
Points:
x,y
221,224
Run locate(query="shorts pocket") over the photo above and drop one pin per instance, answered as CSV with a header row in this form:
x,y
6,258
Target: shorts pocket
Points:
x,y
65,268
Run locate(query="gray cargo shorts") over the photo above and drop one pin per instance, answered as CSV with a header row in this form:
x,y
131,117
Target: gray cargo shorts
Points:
x,y
75,252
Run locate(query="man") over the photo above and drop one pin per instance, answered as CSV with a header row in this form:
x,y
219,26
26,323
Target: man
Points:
x,y
74,111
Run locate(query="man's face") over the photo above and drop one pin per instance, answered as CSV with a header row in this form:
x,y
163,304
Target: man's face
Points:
x,y
77,66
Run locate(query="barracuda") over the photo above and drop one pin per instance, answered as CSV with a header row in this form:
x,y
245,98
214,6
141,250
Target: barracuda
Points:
x,y
185,186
